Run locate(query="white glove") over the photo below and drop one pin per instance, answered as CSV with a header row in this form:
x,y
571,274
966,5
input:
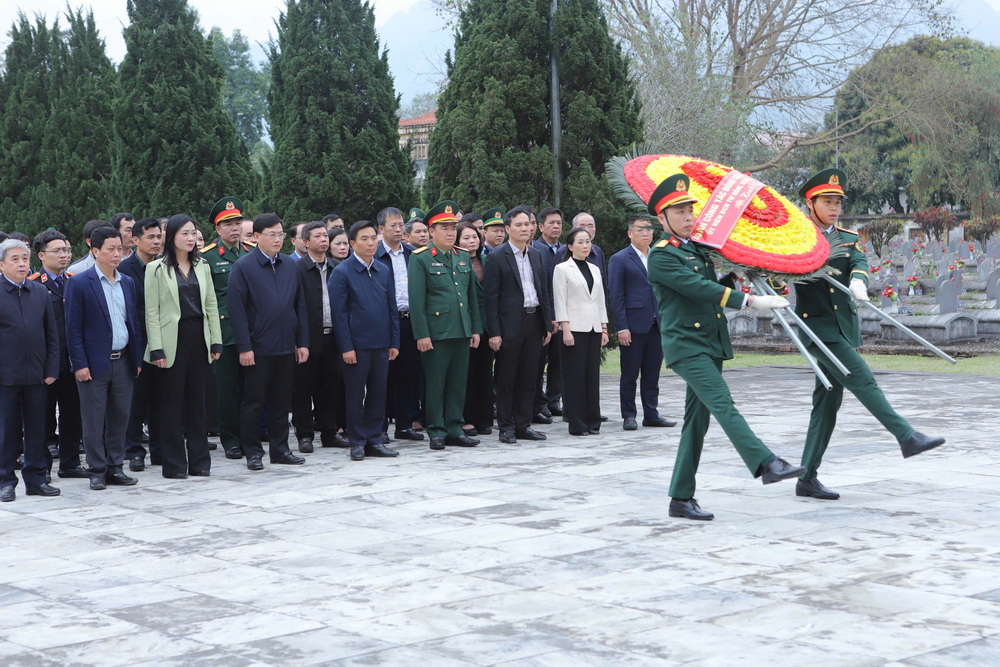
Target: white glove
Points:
x,y
859,289
769,302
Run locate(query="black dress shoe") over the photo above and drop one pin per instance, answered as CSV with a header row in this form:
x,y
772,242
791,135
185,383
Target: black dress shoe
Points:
x,y
407,434
43,490
287,458
556,410
530,434
336,440
97,484
357,452
306,445
540,418
136,464
815,489
461,441
211,445
120,479
200,473
779,469
917,443
594,431
470,431
508,437
78,472
380,451
630,424
234,453
572,432
437,442
175,475
603,418
255,463
659,422
689,509
484,430
7,494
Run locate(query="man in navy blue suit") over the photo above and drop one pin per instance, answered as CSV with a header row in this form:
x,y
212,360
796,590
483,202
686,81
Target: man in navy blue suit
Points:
x,y
366,326
105,352
28,333
637,319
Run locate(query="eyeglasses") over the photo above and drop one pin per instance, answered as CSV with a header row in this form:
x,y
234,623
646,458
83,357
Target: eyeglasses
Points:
x,y
274,235
59,251
643,230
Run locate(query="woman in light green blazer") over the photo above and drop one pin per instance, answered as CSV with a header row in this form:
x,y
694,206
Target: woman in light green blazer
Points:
x,y
182,324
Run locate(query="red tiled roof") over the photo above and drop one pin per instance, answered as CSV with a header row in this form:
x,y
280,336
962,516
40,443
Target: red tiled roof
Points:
x,y
429,118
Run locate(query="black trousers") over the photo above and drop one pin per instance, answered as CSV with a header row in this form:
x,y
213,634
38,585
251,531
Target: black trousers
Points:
x,y
517,370
63,393
145,410
402,401
479,387
23,404
318,391
183,403
551,394
364,391
104,408
582,382
645,356
267,384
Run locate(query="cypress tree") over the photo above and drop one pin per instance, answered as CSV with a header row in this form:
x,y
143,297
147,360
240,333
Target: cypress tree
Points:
x,y
333,115
76,162
244,94
24,109
175,150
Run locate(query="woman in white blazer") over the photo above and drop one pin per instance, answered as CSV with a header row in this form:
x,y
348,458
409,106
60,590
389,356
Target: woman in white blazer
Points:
x,y
583,318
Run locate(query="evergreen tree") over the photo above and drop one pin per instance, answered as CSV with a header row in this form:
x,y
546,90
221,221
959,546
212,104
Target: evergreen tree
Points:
x,y
175,150
24,109
76,163
492,141
333,115
244,94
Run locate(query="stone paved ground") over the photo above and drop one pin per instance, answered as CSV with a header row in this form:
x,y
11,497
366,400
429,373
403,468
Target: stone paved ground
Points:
x,y
553,554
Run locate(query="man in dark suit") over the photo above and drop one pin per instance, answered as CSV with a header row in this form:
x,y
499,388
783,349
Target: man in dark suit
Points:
x,y
366,324
548,401
28,331
319,381
519,321
402,401
634,309
53,250
148,235
105,352
268,311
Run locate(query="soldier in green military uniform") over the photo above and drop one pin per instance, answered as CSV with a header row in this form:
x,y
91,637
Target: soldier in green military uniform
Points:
x,y
833,317
227,216
444,313
695,339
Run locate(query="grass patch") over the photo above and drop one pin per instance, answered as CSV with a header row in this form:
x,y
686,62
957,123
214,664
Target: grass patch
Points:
x,y
981,365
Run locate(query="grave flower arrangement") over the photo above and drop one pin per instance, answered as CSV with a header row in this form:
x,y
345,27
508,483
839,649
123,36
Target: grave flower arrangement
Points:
x,y
874,269
913,280
890,293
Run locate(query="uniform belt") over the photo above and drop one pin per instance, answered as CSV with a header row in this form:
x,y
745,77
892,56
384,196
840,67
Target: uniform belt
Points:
x,y
531,311
117,354
404,314
327,331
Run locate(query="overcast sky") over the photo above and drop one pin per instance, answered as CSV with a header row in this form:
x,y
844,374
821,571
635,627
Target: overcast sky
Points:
x,y
410,29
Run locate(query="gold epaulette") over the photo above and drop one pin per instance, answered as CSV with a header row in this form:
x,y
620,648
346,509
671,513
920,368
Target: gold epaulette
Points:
x,y
661,244
34,276
846,231
421,249
207,248
248,244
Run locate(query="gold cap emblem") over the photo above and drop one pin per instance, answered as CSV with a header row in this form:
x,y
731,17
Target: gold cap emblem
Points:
x,y
447,209
230,205
681,186
834,180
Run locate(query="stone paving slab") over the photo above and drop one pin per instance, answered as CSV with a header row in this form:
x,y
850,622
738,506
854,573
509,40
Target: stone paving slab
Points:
x,y
543,554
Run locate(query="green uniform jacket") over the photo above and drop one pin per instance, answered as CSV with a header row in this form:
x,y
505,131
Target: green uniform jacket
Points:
x,y
443,298
221,260
831,314
691,301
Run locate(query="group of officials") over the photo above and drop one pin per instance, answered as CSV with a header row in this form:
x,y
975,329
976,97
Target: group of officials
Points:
x,y
445,335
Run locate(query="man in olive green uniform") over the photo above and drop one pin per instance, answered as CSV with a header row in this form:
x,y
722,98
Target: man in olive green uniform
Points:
x,y
833,317
227,216
444,313
695,338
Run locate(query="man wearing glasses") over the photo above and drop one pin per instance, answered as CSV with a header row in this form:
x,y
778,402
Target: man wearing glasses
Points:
x,y
637,319
268,311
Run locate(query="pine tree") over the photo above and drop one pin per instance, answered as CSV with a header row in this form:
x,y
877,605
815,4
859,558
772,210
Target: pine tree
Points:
x,y
333,115
492,141
76,164
175,150
244,94
24,109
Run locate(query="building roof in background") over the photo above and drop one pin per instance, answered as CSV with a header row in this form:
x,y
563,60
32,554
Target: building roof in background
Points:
x,y
429,118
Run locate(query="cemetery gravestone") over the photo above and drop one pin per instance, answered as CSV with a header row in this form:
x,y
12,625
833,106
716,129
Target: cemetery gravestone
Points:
x,y
947,298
